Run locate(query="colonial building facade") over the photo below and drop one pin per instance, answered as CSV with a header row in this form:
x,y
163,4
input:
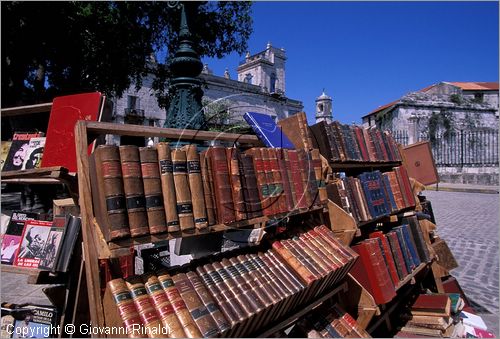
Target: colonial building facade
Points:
x,y
259,86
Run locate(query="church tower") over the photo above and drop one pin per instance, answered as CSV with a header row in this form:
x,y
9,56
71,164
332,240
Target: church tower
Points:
x,y
324,108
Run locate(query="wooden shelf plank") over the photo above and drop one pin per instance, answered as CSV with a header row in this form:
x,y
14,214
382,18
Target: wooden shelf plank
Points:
x,y
116,247
20,270
22,110
384,217
411,275
339,166
303,311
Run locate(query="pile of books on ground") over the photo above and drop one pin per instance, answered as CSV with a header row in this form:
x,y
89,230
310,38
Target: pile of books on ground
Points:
x,y
372,194
387,259
236,296
150,190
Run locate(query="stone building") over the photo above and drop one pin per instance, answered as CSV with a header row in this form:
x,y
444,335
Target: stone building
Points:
x,y
461,121
260,87
324,108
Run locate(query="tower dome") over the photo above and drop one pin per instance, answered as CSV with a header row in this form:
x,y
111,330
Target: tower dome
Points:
x,y
324,108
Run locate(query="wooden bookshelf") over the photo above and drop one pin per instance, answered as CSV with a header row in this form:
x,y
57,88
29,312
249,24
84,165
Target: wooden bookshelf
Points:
x,y
412,275
363,166
385,218
20,270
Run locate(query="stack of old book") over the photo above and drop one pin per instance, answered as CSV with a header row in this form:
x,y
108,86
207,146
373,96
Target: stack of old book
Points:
x,y
338,142
387,259
434,315
328,322
372,194
235,296
150,190
296,129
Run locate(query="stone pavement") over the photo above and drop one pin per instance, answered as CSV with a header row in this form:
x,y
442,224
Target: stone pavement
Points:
x,y
463,188
469,223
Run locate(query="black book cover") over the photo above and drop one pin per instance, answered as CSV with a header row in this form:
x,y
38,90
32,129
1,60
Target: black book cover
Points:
x,y
73,226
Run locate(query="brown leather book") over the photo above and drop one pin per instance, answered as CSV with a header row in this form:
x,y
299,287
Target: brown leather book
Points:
x,y
227,289
168,186
313,182
279,180
296,130
235,176
199,312
370,147
272,200
357,194
242,286
318,172
207,300
261,177
107,192
288,168
207,189
222,185
126,306
250,186
306,130
305,274
328,260
152,190
251,263
304,258
179,305
287,185
307,183
318,262
228,307
246,268
339,140
275,273
134,190
163,307
145,308
300,189
322,140
182,191
290,275
396,191
256,286
196,186
359,188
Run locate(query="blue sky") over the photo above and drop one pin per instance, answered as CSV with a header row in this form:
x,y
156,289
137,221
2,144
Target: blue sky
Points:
x,y
367,54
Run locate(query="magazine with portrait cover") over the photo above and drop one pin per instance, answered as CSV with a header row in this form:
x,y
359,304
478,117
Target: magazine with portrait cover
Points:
x,y
12,237
18,149
33,157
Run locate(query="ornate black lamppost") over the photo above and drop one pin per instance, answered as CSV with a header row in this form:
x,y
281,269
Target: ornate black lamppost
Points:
x,y
185,109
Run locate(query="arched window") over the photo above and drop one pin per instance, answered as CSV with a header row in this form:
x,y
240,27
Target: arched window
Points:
x,y
248,78
273,83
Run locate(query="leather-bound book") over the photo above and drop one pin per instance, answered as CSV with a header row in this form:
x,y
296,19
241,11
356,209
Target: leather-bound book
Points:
x,y
163,307
207,189
250,186
261,177
388,192
374,194
333,255
287,185
126,306
316,261
255,285
306,276
246,267
336,192
179,305
388,146
396,191
272,199
320,183
305,131
279,178
307,174
418,237
207,300
236,179
227,289
397,254
134,190
196,308
290,275
385,155
222,185
404,183
312,177
145,308
276,271
262,271
152,190
339,140
370,147
322,140
108,193
349,189
273,273
196,186
361,143
321,262
408,259
393,144
288,168
246,289
386,251
376,143
295,128
363,204
168,186
246,302
231,310
296,178
182,191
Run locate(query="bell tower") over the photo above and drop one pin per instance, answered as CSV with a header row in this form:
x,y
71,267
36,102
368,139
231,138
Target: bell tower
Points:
x,y
324,108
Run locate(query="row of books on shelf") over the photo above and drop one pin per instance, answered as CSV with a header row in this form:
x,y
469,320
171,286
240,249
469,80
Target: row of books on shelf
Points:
x,y
215,297
373,194
386,259
328,322
336,142
40,244
24,151
150,190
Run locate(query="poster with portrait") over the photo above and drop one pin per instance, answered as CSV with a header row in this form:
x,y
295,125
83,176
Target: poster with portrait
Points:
x,y
34,153
10,245
18,149
33,240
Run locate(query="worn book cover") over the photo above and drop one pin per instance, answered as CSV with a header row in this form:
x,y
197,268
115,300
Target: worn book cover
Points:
x,y
34,153
52,249
267,130
432,304
33,243
12,236
18,150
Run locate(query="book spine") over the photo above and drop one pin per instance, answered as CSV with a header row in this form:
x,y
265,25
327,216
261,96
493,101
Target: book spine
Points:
x,y
265,274
134,190
387,253
152,190
179,305
163,307
396,191
382,145
313,181
207,300
370,147
198,311
381,269
251,187
310,255
292,277
389,193
410,265
362,144
339,141
182,192
304,273
145,308
288,167
207,191
261,180
305,175
318,173
256,127
354,202
246,267
107,158
411,244
273,273
272,200
222,185
322,140
232,312
418,236
334,147
397,250
278,176
126,306
196,186
407,185
362,198
168,186
235,176
321,255
287,186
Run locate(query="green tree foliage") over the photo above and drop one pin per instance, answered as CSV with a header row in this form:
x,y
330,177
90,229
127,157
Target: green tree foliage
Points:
x,y
58,48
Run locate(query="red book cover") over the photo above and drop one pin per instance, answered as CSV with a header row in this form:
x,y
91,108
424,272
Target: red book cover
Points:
x,y
369,145
60,147
432,302
297,179
361,141
396,249
378,133
33,241
272,200
404,183
388,255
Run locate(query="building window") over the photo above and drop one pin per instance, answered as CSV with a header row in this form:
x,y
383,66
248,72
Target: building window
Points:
x,y
273,83
132,102
478,97
248,78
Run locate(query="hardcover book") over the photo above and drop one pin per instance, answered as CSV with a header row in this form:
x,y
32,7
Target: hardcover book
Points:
x,y
18,150
34,153
267,130
222,184
432,304
208,190
4,151
71,233
375,196
196,186
168,186
296,129
182,191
